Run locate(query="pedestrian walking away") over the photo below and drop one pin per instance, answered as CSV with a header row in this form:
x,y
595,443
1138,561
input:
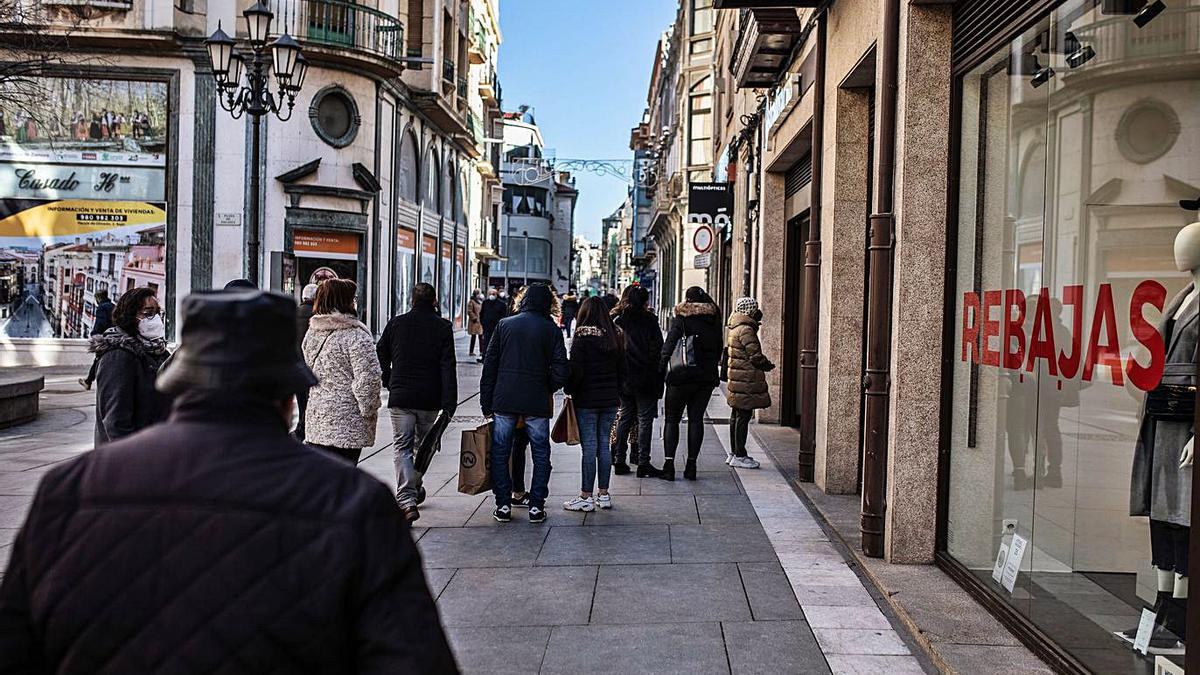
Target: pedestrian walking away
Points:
x,y
103,321
216,542
304,315
343,407
128,357
597,369
491,311
474,328
420,372
524,365
643,385
570,309
747,387
691,383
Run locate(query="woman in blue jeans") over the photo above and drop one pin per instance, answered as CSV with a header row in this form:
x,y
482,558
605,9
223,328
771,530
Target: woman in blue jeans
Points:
x,y
597,368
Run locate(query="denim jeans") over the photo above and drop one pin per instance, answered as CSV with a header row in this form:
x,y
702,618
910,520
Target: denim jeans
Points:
x,y
520,448
644,408
694,398
503,430
408,428
595,424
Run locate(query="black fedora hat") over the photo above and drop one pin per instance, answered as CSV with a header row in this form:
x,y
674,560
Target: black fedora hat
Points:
x,y
237,342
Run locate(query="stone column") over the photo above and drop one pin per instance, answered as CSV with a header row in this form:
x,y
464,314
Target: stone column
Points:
x,y
772,270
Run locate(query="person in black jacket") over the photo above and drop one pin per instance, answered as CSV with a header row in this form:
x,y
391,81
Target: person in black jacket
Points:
x,y
492,310
643,385
690,387
128,357
597,368
420,372
103,321
304,314
570,309
523,367
216,542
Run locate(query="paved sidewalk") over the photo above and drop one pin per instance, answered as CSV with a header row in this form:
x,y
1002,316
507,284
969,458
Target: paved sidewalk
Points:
x,y
727,574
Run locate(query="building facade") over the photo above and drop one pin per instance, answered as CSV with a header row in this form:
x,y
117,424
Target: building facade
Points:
x,y
968,226
383,172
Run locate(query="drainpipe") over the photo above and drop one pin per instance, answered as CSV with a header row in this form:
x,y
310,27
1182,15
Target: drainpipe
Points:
x,y
810,326
877,380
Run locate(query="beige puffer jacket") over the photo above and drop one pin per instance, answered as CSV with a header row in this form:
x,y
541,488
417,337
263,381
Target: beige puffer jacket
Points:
x,y
747,387
344,407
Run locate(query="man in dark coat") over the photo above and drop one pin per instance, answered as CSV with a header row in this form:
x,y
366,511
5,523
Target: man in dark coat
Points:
x,y
304,315
420,372
525,365
490,313
103,321
215,542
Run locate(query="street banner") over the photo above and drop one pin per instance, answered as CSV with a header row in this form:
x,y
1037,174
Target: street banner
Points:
x,y
710,204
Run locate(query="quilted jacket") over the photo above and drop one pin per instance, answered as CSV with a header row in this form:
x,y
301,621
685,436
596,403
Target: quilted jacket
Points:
x,y
343,409
747,389
215,543
126,400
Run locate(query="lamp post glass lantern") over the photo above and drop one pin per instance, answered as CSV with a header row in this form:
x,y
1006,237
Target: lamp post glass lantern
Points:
x,y
254,96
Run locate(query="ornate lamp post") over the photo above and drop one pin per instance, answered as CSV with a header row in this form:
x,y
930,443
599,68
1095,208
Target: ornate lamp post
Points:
x,y
255,97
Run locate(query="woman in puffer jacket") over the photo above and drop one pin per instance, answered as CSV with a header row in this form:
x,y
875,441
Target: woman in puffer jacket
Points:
x,y
747,388
344,407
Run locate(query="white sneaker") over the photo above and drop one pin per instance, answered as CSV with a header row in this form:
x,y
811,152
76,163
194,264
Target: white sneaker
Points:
x,y
580,504
604,501
744,463
729,458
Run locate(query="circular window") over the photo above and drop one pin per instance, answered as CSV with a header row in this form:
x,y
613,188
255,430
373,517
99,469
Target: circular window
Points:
x,y
334,116
1147,130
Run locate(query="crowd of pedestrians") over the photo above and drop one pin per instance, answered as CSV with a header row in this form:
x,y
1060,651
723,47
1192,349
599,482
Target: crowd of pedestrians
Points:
x,y
222,490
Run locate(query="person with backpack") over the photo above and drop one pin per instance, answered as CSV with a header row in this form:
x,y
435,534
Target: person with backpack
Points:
x,y
597,368
747,368
690,357
643,385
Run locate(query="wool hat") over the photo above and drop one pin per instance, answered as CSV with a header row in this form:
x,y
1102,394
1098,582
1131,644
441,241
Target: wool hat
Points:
x,y
237,341
745,305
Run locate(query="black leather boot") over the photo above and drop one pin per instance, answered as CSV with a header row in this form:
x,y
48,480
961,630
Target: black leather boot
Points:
x,y
689,471
619,466
668,469
647,470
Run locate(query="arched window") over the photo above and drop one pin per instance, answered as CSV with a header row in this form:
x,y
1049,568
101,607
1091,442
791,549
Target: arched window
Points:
x,y
409,176
460,206
448,193
433,181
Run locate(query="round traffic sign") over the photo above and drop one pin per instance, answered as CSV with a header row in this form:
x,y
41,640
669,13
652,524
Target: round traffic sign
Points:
x,y
702,240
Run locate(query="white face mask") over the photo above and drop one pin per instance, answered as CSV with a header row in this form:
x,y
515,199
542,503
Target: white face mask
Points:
x,y
153,327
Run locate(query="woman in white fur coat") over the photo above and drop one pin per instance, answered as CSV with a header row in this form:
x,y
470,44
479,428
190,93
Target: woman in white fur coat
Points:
x,y
344,407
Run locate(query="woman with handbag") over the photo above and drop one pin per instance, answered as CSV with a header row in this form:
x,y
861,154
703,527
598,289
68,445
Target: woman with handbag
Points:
x,y
344,407
747,368
690,358
597,368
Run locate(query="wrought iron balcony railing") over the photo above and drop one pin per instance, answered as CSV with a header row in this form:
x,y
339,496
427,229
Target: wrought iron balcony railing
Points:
x,y
336,23
462,88
449,71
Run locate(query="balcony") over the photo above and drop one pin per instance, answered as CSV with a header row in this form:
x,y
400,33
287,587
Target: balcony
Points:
x,y
488,87
764,44
1118,42
342,26
449,70
477,49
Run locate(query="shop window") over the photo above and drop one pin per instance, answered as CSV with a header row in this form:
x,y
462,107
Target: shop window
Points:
x,y
1070,306
433,182
334,116
409,174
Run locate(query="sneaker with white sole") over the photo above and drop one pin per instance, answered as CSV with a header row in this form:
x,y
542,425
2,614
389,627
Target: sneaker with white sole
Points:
x,y
537,514
728,457
580,504
604,501
502,514
744,463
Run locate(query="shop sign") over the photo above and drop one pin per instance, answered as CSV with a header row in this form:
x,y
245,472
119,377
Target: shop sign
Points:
x,y
57,181
710,204
781,100
17,153
316,244
993,334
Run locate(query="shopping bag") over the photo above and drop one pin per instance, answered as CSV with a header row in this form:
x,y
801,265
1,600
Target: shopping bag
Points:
x,y
474,462
566,427
431,442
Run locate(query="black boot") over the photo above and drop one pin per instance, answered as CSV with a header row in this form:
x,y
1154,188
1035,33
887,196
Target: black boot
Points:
x,y
1159,609
1175,616
668,470
620,468
647,470
689,471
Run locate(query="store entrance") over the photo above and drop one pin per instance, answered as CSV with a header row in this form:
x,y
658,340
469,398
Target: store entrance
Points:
x,y
793,393
322,255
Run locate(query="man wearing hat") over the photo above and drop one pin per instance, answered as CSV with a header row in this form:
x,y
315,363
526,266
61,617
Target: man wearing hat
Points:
x,y
215,542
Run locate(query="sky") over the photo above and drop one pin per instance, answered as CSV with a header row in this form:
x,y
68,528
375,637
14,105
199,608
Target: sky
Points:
x,y
584,66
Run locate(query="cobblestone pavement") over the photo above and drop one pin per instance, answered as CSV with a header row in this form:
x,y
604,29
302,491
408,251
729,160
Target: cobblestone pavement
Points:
x,y
727,574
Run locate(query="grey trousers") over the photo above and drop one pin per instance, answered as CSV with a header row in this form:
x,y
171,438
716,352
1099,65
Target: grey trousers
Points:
x,y
408,427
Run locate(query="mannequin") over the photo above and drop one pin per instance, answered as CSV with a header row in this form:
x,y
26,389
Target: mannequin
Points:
x,y
1162,469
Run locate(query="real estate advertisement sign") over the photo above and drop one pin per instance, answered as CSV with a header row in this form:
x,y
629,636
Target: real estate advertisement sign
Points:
x,y
83,202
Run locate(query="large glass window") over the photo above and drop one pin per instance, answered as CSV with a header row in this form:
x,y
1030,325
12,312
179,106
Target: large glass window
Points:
x,y
702,16
1073,301
700,129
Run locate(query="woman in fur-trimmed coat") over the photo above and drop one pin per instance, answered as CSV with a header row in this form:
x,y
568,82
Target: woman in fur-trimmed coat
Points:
x,y
344,407
747,389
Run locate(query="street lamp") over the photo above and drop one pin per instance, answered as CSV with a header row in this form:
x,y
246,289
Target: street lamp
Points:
x,y
255,97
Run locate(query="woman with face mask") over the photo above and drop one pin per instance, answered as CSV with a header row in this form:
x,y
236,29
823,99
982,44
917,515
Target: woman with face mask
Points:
x,y
128,357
